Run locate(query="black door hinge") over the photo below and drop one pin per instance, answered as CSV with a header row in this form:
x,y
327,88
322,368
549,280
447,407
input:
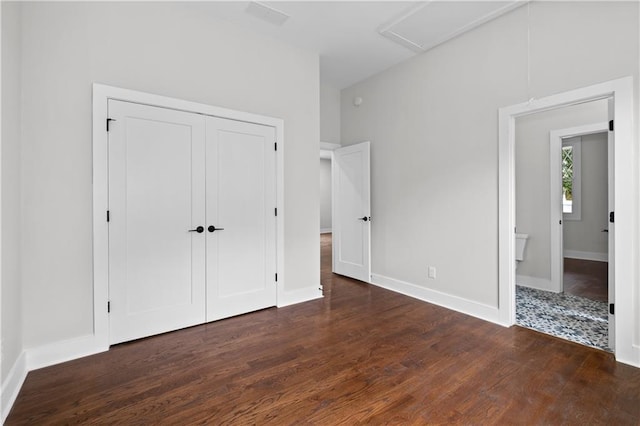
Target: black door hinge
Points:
x,y
276,277
611,308
108,307
108,216
109,120
276,211
611,217
275,146
611,125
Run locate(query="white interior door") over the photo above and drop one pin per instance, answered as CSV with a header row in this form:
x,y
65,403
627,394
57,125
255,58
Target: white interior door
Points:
x,y
351,220
612,229
241,222
156,196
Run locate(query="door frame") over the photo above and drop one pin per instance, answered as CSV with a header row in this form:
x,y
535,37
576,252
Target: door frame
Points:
x,y
626,164
556,238
101,95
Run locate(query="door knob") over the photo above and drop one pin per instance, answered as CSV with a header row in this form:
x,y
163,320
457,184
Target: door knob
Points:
x,y
214,229
365,218
199,230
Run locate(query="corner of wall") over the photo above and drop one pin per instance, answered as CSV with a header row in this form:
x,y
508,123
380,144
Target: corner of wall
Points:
x,y
12,384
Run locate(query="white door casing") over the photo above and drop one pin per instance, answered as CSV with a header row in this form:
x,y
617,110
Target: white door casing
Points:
x,y
556,219
625,230
611,229
241,191
351,220
156,196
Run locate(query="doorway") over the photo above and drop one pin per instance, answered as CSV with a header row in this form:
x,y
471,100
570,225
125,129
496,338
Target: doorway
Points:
x,y
620,93
571,166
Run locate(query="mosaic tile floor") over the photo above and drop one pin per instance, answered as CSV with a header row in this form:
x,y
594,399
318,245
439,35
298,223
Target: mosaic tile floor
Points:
x,y
569,317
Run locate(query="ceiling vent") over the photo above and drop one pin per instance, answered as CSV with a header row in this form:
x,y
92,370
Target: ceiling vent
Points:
x,y
266,13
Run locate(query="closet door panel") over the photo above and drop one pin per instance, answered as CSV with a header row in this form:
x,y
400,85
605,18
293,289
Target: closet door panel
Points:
x,y
240,200
156,196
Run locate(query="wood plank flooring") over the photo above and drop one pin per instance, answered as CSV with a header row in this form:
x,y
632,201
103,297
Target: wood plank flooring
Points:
x,y
586,278
361,355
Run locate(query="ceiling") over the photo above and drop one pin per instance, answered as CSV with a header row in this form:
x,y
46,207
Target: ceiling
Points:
x,y
357,39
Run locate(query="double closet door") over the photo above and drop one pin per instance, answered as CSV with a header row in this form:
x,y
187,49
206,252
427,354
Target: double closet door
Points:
x,y
192,229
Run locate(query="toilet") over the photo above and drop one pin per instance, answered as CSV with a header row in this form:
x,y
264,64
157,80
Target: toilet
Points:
x,y
521,242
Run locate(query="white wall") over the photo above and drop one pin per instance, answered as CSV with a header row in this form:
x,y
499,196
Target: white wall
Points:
x,y
533,179
329,114
432,122
325,195
171,49
586,235
11,222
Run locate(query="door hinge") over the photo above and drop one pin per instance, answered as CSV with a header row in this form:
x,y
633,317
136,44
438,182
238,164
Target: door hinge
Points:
x,y
276,211
275,146
108,216
108,307
560,222
611,125
611,217
109,120
611,308
276,277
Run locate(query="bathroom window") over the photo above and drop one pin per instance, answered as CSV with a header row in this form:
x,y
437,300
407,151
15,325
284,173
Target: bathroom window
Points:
x,y
571,193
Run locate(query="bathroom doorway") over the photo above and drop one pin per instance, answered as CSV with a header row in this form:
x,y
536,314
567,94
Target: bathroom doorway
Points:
x,y
563,153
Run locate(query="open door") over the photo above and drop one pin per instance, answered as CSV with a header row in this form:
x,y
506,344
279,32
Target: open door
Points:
x,y
351,211
611,285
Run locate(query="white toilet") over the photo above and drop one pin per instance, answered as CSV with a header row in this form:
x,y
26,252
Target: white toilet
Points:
x,y
521,242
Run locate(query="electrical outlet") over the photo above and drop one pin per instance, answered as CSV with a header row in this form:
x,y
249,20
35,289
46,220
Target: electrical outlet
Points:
x,y
432,272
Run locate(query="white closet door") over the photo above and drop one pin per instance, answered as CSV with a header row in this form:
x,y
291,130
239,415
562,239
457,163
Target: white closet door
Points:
x,y
156,196
241,199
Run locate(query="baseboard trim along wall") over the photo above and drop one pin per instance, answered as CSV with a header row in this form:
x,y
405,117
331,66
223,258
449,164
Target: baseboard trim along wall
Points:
x,y
325,230
586,255
12,384
298,296
535,282
63,351
455,303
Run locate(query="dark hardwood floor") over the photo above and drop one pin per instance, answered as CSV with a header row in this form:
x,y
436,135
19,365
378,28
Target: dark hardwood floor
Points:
x,y
360,355
586,278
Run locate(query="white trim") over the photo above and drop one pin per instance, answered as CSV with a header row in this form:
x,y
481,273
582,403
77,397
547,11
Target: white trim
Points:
x,y
626,229
325,230
555,191
101,94
455,303
63,351
12,384
299,296
586,255
537,283
329,146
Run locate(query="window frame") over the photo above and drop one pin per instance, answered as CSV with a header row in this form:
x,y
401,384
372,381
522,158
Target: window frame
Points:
x,y
576,190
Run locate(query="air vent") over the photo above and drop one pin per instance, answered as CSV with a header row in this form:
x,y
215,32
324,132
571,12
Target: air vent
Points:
x,y
267,13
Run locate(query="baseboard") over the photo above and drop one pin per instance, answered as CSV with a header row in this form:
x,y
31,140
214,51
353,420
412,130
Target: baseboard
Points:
x,y
631,357
12,384
586,255
455,303
535,282
325,230
63,351
298,296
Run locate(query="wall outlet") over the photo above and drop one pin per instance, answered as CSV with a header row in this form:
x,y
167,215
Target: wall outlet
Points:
x,y
432,272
